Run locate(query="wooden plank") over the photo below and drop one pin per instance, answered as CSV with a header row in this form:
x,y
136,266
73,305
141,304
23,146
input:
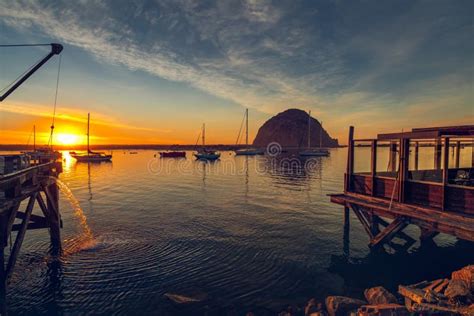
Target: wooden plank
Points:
x,y
19,237
31,225
459,225
389,232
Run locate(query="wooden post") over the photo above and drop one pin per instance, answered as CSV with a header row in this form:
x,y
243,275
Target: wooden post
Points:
x,y
373,168
437,157
458,154
52,199
417,149
350,160
393,157
445,171
3,283
403,167
347,228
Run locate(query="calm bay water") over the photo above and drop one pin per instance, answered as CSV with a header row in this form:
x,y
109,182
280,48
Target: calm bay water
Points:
x,y
249,233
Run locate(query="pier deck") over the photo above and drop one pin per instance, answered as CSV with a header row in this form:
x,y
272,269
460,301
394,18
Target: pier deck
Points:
x,y
35,184
437,197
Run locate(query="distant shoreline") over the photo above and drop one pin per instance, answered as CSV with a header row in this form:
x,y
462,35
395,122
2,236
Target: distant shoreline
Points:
x,y
11,147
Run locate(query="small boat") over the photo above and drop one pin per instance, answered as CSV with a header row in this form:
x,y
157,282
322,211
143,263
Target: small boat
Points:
x,y
203,153
90,156
173,154
42,154
314,152
247,151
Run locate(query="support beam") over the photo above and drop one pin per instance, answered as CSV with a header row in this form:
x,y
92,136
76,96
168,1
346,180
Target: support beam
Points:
x,y
364,221
3,283
373,164
19,237
350,160
389,232
437,156
417,152
52,198
346,234
457,154
445,172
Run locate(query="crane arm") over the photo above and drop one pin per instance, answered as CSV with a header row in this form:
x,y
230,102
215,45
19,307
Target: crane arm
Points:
x,y
55,50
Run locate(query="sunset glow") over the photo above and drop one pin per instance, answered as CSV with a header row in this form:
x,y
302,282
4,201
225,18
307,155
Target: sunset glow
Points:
x,y
67,139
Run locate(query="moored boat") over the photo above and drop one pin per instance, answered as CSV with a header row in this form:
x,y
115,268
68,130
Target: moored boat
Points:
x,y
247,151
203,153
314,152
173,154
90,156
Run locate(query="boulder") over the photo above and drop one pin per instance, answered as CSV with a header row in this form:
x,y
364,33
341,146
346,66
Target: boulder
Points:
x,y
383,309
290,129
342,306
379,295
466,274
457,288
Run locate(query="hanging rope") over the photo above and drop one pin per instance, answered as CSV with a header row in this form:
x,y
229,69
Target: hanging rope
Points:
x,y
197,140
50,141
240,131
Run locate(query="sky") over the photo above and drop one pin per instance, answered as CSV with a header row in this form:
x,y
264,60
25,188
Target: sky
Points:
x,y
154,71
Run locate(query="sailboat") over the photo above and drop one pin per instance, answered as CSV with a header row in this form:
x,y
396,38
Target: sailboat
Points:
x,y
314,152
247,151
90,156
42,154
203,153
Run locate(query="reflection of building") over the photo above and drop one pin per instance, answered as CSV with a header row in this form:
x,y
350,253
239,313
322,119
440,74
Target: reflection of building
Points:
x,y
438,196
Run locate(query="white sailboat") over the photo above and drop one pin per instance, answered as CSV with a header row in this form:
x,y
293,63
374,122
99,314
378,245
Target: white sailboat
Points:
x,y
203,153
314,152
90,156
247,151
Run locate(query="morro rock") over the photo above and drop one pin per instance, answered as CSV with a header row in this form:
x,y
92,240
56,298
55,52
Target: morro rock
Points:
x,y
290,129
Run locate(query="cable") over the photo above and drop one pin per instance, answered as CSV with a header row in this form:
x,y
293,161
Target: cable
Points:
x,y
240,131
55,102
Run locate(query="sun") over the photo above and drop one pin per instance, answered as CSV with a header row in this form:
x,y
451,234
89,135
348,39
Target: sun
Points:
x,y
67,139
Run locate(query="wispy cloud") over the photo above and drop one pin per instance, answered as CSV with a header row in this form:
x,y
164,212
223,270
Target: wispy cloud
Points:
x,y
346,61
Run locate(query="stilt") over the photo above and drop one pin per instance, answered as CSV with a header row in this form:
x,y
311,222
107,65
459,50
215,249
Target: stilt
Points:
x,y
52,199
437,156
417,152
347,228
393,157
3,283
458,154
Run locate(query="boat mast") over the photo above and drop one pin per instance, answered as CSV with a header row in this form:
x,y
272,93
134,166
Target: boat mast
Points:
x,y
203,134
34,138
321,136
88,127
309,129
247,128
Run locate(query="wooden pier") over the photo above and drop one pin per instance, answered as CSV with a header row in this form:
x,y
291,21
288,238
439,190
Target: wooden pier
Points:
x,y
386,198
19,192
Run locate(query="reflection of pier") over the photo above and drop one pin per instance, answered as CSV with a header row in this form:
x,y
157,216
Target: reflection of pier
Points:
x,y
30,186
438,198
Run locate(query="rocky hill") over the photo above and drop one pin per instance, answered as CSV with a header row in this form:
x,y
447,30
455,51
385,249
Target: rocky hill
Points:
x,y
290,129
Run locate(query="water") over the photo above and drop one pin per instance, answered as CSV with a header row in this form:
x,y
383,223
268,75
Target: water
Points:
x,y
246,233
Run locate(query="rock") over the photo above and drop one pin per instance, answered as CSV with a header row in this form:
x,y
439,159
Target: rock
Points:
x,y
457,288
290,129
467,311
466,274
313,308
382,309
186,299
341,306
379,295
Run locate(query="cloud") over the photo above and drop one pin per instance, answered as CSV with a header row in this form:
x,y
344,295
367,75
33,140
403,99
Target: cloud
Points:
x,y
71,115
356,60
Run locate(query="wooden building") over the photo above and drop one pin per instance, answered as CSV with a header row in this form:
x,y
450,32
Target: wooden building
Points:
x,y
423,177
